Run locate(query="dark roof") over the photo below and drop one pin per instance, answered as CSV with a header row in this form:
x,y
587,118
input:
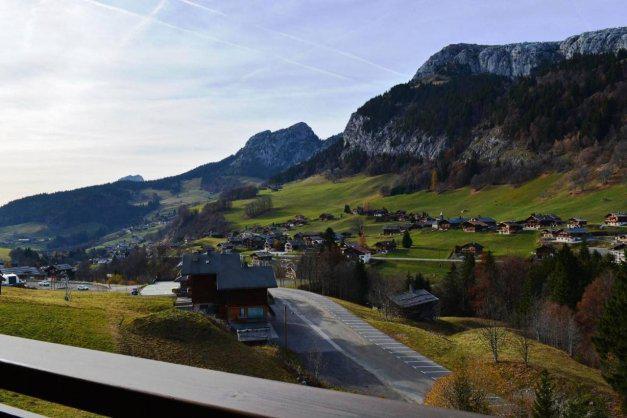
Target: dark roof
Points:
x,y
457,220
413,298
33,271
230,271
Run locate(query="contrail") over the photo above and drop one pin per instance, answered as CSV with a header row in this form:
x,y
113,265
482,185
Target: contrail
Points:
x,y
302,40
217,40
147,20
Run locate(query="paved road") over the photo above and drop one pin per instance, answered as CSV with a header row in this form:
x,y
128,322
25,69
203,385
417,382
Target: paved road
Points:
x,y
348,352
160,289
448,260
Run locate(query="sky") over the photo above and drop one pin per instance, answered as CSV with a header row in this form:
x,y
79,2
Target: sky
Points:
x,y
93,90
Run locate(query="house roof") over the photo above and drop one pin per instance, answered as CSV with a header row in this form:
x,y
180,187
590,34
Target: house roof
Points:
x,y
231,273
33,271
413,298
457,220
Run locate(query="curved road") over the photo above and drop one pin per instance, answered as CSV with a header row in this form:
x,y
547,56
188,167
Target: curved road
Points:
x,y
347,352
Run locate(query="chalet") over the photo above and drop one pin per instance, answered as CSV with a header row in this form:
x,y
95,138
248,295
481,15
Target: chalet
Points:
x,y
475,225
326,217
508,227
539,221
58,271
357,252
576,223
391,229
296,244
222,285
300,219
261,258
457,222
490,222
547,235
383,247
616,219
417,304
441,225
460,251
571,235
268,245
620,239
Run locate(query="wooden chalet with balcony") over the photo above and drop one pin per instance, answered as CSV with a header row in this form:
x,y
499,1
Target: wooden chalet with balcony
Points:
x,y
508,228
616,219
224,286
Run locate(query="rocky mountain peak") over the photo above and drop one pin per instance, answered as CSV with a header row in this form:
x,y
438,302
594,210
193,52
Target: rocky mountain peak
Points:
x,y
270,152
519,59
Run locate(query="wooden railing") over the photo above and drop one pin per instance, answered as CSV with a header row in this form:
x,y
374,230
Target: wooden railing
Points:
x,y
117,385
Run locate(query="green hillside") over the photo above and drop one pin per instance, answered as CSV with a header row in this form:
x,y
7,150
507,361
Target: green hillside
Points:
x,y
141,326
548,193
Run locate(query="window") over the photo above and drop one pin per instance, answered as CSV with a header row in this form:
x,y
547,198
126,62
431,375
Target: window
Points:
x,y
255,312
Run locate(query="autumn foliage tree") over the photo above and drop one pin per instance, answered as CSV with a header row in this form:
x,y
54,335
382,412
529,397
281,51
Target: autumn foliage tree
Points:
x,y
589,311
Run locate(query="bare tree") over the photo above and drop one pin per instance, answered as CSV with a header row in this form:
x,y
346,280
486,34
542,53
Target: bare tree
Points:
x,y
380,292
493,334
523,346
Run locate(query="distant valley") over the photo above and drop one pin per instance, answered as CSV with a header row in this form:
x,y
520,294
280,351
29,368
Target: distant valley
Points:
x,y
473,115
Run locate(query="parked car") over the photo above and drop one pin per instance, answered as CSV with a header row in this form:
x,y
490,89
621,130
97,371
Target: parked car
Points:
x,y
82,287
44,283
135,292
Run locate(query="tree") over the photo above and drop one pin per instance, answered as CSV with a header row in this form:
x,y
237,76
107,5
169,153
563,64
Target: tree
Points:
x,y
329,238
464,394
544,404
589,311
407,241
347,209
522,345
467,282
434,180
610,341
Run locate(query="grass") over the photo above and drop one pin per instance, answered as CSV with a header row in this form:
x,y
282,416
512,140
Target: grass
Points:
x,y
4,254
449,339
148,327
548,193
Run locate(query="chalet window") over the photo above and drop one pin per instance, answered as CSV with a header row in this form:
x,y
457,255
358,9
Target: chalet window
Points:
x,y
255,312
242,312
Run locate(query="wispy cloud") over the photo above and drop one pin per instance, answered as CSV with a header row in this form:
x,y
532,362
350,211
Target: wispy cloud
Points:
x,y
302,40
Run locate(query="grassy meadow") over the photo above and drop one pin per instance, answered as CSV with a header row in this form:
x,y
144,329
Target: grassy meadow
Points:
x,y
141,326
548,193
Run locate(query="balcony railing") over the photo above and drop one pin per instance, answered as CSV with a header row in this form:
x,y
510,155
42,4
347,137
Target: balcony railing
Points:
x,y
118,385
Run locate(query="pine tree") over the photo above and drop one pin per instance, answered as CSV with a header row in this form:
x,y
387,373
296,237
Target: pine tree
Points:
x,y
347,209
467,282
610,342
544,405
329,238
407,241
361,279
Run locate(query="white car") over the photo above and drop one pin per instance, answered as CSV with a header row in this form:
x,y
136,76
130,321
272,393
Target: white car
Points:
x,y
44,283
82,287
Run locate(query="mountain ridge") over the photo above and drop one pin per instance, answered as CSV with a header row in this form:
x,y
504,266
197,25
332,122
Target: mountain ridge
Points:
x,y
520,59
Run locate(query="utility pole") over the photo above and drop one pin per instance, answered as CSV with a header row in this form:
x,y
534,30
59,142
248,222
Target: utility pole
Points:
x,y
285,327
